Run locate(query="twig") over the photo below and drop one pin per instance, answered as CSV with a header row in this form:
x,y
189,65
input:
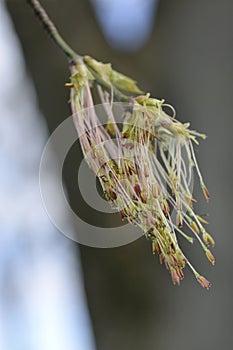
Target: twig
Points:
x,y
71,55
52,31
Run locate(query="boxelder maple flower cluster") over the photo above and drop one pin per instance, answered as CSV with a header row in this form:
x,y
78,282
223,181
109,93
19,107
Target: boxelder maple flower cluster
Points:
x,y
146,173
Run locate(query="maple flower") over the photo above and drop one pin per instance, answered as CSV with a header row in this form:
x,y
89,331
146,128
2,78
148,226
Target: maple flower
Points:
x,y
146,175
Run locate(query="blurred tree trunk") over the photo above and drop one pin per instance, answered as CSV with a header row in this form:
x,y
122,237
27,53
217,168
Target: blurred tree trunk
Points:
x,y
188,61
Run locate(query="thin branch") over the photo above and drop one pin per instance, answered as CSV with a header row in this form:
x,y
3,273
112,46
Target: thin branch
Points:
x,y
52,31
72,56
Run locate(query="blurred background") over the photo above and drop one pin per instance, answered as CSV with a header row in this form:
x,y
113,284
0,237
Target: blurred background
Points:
x,y
178,50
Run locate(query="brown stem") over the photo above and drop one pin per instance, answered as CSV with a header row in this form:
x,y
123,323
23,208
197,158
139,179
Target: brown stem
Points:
x,y
52,30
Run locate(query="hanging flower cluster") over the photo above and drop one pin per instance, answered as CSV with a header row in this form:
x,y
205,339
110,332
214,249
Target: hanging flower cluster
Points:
x,y
146,172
